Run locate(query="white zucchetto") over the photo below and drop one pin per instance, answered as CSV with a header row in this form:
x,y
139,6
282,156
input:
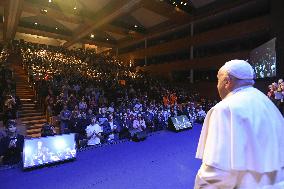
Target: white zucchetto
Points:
x,y
239,68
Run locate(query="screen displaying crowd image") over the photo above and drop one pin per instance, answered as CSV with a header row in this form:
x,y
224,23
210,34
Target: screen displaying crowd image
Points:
x,y
47,150
263,60
181,122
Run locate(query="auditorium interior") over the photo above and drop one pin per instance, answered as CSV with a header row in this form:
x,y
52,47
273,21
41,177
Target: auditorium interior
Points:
x,y
142,71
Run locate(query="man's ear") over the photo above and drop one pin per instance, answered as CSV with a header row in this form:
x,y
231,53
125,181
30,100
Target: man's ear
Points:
x,y
228,82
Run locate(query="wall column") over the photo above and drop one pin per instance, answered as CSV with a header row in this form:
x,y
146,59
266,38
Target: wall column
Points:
x,y
277,26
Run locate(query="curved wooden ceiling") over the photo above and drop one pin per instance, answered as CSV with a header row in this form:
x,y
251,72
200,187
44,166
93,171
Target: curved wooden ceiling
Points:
x,y
112,22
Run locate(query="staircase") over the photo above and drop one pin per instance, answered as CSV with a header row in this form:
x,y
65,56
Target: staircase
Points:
x,y
30,115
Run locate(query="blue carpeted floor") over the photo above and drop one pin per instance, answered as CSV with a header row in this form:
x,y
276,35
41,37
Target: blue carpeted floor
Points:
x,y
164,160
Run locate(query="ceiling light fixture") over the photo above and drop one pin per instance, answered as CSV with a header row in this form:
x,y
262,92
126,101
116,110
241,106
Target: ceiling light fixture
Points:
x,y
56,28
184,4
35,23
135,26
107,39
43,11
92,35
75,8
49,1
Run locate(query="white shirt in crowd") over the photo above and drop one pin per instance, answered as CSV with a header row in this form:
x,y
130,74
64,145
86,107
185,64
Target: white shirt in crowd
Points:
x,y
91,131
139,124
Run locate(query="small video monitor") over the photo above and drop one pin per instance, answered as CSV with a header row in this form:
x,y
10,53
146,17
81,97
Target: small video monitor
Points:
x,y
181,122
48,150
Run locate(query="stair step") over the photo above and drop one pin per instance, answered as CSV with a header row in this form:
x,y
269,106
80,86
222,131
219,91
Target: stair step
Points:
x,y
28,108
29,104
26,96
22,83
22,80
34,131
30,97
27,100
24,93
36,135
30,114
32,105
27,90
23,87
34,126
32,118
28,111
19,93
35,121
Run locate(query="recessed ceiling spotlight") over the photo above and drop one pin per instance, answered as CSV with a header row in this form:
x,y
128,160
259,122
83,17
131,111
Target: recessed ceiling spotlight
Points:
x,y
185,4
49,1
107,39
174,2
135,26
75,8
92,35
56,28
43,11
181,2
35,23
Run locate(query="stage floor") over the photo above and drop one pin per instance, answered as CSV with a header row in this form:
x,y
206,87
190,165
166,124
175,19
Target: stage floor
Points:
x,y
165,160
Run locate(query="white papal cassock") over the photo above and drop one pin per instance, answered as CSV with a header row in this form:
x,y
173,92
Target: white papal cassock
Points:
x,y
242,143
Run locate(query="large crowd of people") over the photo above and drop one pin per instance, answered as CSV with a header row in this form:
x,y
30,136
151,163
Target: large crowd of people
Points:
x,y
101,99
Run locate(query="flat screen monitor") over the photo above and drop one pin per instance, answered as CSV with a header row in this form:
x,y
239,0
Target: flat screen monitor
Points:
x,y
47,150
181,122
263,60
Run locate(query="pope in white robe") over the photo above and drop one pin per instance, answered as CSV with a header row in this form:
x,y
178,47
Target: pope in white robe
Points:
x,y
242,140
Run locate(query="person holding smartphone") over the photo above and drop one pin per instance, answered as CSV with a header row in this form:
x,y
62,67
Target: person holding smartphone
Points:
x,y
11,146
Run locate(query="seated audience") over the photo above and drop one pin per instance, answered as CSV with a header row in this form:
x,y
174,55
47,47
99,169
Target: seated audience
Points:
x,y
76,85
